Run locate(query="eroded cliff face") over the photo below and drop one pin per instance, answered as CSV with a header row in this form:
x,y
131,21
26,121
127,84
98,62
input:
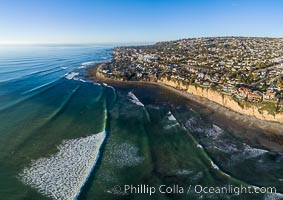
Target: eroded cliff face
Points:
x,y
223,99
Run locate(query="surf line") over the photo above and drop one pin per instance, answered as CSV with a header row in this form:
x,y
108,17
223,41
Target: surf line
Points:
x,y
93,166
221,171
63,175
102,144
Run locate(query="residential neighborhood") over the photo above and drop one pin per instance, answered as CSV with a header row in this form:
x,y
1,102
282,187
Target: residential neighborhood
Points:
x,y
249,69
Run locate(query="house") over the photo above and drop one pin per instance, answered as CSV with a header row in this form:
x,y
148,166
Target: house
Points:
x,y
269,96
206,83
230,89
243,92
105,71
255,96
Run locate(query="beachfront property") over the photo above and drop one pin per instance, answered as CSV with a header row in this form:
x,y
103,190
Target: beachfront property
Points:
x,y
249,69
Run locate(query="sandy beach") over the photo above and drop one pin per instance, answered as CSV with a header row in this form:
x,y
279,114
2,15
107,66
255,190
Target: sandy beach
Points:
x,y
265,134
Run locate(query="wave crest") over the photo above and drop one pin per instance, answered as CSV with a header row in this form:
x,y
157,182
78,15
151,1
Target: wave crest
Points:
x,y
62,175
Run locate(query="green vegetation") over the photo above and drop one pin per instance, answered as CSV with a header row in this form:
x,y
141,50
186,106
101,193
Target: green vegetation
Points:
x,y
270,107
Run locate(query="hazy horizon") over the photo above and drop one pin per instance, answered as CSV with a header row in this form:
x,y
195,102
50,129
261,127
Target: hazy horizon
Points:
x,y
124,43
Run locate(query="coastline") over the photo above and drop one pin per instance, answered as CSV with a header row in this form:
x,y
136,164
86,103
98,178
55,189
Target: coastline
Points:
x,y
267,134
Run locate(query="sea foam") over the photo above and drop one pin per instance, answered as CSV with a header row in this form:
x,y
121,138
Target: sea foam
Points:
x,y
250,152
74,76
167,127
183,172
214,131
171,116
123,155
71,75
62,175
88,63
273,196
134,99
106,85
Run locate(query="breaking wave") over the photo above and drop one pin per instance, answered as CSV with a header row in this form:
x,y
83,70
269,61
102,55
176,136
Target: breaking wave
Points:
x,y
250,152
62,175
134,99
106,85
171,116
217,168
86,64
71,75
113,89
74,76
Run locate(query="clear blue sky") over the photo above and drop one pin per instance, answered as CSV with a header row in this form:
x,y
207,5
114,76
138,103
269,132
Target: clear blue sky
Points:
x,y
107,21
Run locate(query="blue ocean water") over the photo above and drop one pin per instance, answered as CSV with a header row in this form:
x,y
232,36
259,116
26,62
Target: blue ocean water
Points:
x,y
45,100
50,111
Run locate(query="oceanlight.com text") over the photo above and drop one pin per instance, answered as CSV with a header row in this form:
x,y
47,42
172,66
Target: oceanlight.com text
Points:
x,y
197,189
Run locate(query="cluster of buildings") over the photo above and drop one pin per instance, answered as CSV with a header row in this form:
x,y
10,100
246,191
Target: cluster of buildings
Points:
x,y
250,69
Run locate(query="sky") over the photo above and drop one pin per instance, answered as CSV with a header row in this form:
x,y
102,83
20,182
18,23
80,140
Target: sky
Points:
x,y
132,21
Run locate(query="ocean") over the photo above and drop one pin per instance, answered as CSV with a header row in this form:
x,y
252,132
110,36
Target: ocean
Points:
x,y
63,136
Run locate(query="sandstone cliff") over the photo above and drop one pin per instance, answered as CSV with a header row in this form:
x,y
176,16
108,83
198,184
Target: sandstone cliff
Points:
x,y
224,100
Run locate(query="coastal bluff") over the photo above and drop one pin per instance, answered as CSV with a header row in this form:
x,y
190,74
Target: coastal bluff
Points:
x,y
220,98
223,100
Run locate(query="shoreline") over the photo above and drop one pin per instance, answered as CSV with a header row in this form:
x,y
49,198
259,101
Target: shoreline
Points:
x,y
267,133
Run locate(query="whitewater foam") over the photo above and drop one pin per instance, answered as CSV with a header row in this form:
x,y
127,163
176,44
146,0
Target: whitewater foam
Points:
x,y
273,196
250,152
88,63
197,176
134,99
123,155
214,131
218,169
192,125
61,176
171,116
94,83
71,75
214,165
183,172
167,127
82,80
106,85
